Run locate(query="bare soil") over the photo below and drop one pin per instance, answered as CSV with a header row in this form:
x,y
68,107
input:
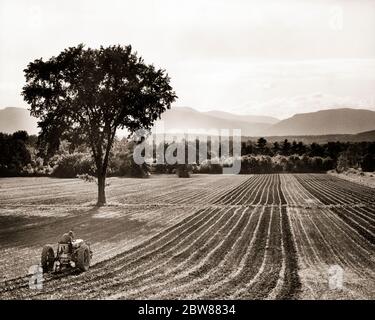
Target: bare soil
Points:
x,y
211,236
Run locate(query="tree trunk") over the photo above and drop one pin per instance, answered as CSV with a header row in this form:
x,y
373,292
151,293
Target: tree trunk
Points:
x,y
101,190
101,167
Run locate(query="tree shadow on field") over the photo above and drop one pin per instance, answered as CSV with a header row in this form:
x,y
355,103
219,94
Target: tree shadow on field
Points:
x,y
94,224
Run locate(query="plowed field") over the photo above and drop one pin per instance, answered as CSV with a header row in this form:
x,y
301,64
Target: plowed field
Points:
x,y
208,237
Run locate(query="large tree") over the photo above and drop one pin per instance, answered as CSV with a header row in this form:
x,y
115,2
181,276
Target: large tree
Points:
x,y
92,93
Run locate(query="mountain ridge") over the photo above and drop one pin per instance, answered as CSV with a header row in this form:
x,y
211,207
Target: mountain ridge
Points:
x,y
14,118
323,122
188,119
180,119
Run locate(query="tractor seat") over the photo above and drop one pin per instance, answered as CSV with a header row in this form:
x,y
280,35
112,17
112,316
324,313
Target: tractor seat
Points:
x,y
64,247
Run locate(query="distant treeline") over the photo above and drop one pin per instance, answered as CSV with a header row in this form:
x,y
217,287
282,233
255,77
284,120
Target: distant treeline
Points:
x,y
341,155
281,156
14,153
20,156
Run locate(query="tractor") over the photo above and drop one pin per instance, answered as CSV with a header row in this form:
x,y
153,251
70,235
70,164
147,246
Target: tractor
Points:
x,y
71,254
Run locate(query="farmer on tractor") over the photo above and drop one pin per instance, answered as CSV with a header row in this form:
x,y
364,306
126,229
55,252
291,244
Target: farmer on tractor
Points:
x,y
67,237
70,252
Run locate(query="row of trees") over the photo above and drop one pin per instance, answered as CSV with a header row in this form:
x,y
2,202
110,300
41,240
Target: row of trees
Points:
x,y
279,163
14,153
287,148
70,162
343,154
20,156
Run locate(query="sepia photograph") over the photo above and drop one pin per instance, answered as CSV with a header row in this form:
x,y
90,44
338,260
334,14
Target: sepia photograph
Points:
x,y
205,151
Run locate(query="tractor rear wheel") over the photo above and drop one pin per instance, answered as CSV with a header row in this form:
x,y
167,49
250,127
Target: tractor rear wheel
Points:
x,y
48,258
83,258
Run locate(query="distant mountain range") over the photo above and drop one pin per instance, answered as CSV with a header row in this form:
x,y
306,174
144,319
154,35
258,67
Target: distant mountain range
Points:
x,y
307,139
324,122
240,117
334,122
13,119
181,119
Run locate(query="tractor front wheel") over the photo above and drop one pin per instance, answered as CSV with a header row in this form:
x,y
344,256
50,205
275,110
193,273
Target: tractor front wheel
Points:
x,y
48,258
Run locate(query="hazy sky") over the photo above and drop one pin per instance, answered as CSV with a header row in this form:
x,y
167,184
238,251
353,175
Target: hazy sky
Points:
x,y
255,57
